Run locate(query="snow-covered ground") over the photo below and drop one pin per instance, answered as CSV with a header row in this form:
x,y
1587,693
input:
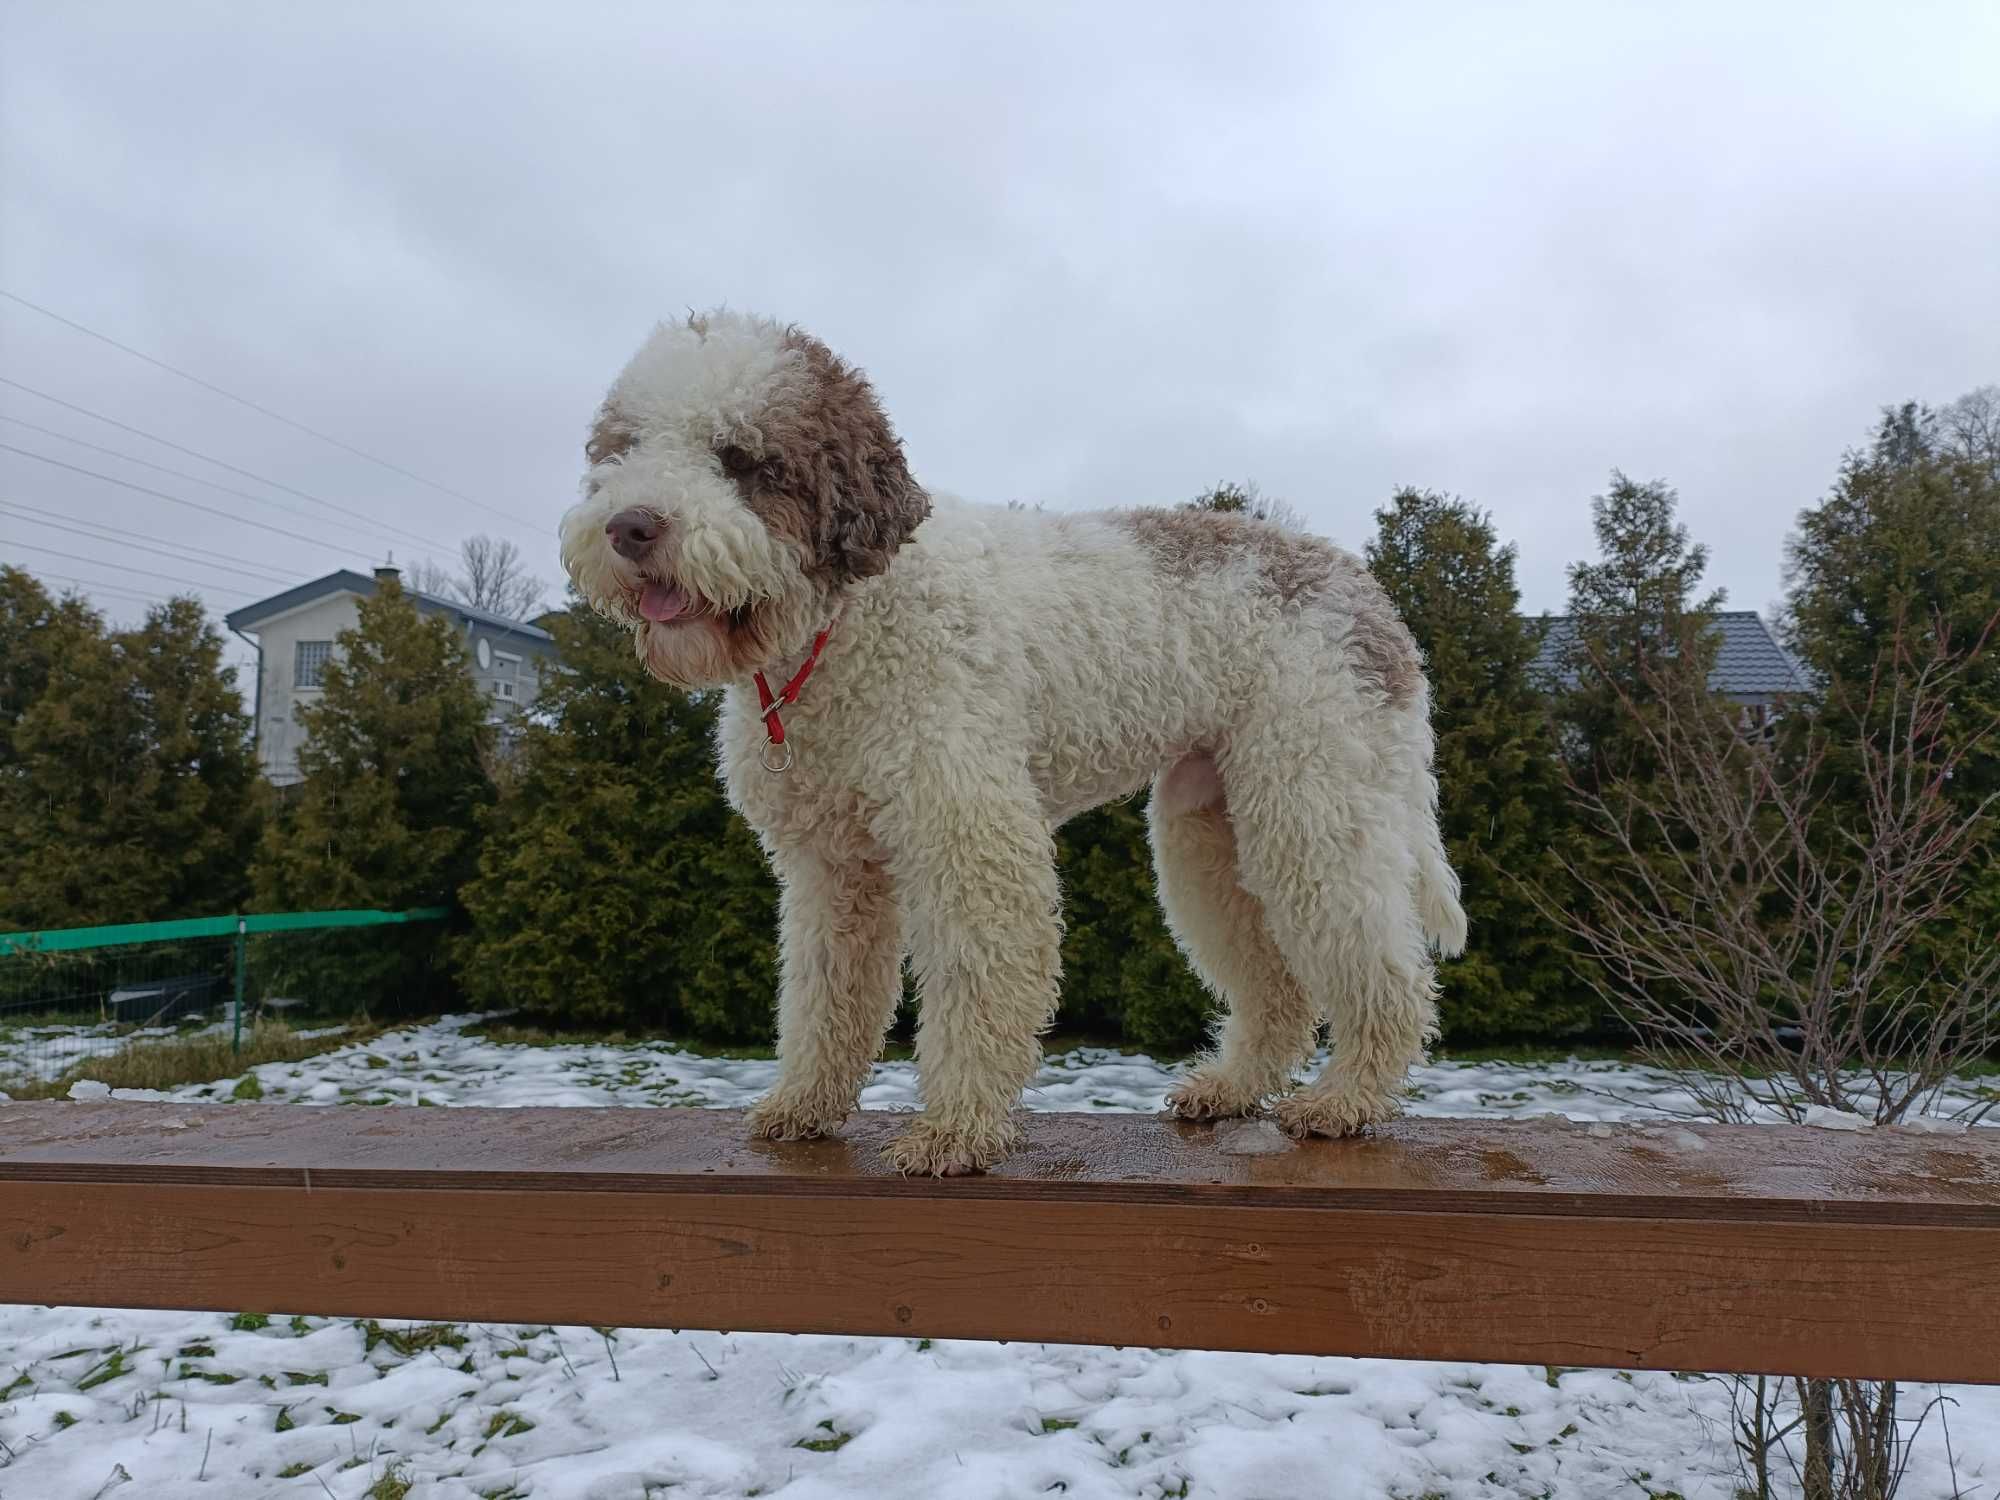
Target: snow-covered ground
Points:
x,y
184,1405
51,1050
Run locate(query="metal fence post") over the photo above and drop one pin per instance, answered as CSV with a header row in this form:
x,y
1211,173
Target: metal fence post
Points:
x,y
236,1041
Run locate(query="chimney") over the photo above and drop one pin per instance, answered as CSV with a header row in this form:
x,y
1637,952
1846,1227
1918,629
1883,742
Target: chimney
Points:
x,y
389,571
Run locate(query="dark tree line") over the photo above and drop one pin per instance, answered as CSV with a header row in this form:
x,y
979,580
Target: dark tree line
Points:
x,y
598,877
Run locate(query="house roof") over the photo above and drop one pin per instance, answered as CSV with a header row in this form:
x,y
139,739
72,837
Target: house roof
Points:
x,y
348,581
1749,662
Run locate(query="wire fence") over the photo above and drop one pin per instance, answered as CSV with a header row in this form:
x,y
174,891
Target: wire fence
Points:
x,y
70,996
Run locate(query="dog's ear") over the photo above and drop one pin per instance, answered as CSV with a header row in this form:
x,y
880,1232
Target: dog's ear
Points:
x,y
870,508
865,503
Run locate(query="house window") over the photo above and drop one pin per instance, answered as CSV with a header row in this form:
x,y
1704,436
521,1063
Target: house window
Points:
x,y
309,663
506,672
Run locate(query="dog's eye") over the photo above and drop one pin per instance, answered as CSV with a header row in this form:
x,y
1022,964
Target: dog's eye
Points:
x,y
736,461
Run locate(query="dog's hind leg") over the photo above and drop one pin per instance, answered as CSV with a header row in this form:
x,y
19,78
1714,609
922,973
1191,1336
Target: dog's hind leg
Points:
x,y
840,975
1324,843
1268,1021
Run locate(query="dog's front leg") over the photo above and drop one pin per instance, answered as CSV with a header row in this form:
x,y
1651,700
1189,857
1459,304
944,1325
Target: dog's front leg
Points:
x,y
840,975
979,879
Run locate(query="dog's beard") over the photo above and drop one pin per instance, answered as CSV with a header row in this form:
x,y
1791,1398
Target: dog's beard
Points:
x,y
689,642
691,652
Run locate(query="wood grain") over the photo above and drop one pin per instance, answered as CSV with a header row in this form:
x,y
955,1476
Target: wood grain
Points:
x,y
1703,1248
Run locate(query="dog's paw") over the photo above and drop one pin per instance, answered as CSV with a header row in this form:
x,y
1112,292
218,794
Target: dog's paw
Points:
x,y
788,1117
931,1149
1337,1114
1202,1095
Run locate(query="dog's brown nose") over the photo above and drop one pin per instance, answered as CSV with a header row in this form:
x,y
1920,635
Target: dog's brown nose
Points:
x,y
632,531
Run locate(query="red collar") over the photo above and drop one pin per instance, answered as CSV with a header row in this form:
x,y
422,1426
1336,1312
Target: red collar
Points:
x,y
769,705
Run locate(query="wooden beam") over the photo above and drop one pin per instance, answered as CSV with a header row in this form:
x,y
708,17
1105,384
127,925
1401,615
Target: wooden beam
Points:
x,y
1752,1248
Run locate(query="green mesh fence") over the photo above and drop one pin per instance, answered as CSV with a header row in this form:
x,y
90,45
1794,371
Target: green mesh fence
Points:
x,y
71,995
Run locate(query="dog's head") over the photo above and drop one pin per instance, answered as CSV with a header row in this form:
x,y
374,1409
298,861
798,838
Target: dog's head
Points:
x,y
741,478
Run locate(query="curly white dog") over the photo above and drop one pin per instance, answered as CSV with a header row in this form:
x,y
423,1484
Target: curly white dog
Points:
x,y
986,674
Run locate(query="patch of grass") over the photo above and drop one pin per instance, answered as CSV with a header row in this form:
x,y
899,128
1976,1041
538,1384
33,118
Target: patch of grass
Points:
x,y
202,1058
833,1442
341,1418
394,1483
247,1089
109,1370
299,1326
284,1422
1537,1054
293,1471
213,1377
14,1385
375,1060
295,1377
410,1342
64,1420
197,1350
506,1424
247,1322
1054,1424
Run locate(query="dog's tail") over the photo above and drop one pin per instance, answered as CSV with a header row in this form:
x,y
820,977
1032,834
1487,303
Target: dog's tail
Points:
x,y
1438,909
1437,895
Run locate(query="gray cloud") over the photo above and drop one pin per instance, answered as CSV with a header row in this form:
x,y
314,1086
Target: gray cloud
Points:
x,y
1091,255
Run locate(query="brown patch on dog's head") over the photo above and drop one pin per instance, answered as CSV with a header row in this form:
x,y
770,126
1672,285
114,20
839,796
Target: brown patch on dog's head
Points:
x,y
826,471
611,436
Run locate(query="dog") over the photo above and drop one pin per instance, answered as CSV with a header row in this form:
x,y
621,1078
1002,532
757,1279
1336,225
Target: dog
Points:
x,y
916,693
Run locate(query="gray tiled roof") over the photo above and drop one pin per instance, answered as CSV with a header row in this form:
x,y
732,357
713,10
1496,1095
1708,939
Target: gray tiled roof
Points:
x,y
1749,662
349,581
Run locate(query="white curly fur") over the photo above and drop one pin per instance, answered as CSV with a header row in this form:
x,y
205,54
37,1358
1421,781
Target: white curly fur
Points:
x,y
1008,670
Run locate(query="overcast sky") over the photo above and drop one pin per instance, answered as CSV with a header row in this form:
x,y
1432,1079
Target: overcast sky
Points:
x,y
1090,254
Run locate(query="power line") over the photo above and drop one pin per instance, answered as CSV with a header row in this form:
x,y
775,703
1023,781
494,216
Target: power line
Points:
x,y
382,529
266,411
103,588
161,547
193,583
221,463
297,536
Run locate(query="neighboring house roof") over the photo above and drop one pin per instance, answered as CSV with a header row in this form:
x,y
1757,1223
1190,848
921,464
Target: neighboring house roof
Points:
x,y
348,581
1749,662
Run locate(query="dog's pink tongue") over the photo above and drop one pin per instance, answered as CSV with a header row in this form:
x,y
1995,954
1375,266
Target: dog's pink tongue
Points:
x,y
661,602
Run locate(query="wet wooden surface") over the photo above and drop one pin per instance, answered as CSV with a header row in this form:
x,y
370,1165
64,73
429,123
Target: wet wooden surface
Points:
x,y
1659,1246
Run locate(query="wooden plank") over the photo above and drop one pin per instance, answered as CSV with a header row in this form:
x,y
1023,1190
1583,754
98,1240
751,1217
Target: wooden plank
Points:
x,y
1680,1247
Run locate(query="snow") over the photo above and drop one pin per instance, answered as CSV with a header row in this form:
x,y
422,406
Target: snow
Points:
x,y
190,1404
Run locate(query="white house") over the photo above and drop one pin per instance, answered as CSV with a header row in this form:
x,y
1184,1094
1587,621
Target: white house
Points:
x,y
294,634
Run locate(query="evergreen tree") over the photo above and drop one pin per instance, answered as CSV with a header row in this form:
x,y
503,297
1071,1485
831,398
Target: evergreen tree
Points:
x,y
36,631
387,813
1636,620
616,886
1907,544
1502,802
1908,539
128,784
1123,974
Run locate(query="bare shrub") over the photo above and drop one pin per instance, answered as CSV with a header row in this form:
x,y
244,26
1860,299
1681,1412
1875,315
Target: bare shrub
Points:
x,y
1775,920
